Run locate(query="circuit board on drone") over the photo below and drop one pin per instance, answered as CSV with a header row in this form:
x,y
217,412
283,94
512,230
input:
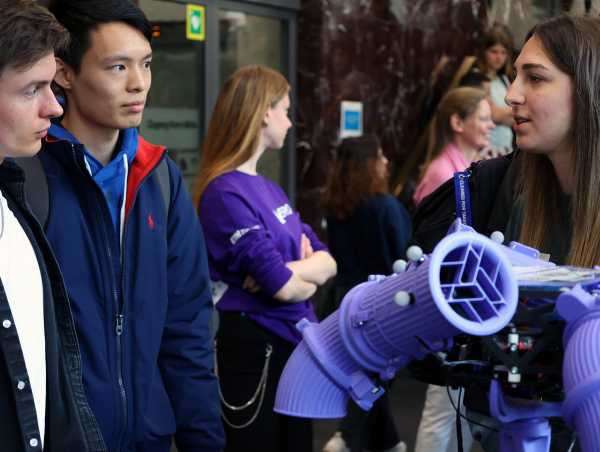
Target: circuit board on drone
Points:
x,y
548,282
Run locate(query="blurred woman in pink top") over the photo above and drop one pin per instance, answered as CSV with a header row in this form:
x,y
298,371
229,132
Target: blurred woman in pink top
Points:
x,y
460,129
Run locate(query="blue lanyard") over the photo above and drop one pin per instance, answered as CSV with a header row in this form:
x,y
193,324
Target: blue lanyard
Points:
x,y
462,197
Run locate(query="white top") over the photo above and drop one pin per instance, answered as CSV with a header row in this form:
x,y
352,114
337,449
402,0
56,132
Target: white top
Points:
x,y
501,136
22,281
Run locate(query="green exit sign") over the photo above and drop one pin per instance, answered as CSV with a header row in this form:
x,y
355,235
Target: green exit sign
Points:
x,y
195,22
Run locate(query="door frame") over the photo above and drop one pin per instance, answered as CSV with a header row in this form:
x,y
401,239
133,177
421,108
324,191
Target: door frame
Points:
x,y
284,10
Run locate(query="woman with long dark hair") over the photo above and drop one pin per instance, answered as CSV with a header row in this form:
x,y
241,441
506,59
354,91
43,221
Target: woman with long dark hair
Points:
x,y
546,196
368,230
495,61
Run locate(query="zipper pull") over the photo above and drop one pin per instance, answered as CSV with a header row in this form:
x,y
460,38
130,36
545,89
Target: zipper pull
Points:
x,y
119,324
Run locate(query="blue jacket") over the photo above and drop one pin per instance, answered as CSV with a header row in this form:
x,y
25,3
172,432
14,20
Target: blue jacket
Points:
x,y
142,314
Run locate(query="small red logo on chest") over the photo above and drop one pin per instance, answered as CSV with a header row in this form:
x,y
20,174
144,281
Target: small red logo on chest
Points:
x,y
150,221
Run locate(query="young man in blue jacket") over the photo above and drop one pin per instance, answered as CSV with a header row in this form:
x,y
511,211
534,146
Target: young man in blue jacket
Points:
x,y
133,259
42,401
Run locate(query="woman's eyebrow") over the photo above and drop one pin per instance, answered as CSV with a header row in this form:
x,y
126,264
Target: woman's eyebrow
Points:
x,y
529,66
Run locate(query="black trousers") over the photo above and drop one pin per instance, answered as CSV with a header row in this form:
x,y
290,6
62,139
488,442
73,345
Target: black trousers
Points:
x,y
373,430
241,345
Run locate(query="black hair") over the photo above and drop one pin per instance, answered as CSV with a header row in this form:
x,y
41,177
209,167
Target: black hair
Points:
x,y
475,79
80,17
358,148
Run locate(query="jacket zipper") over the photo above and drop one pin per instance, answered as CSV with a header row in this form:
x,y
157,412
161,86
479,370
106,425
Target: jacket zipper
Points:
x,y
119,317
120,307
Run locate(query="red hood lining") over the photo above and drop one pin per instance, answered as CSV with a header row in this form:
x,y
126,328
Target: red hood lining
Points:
x,y
146,158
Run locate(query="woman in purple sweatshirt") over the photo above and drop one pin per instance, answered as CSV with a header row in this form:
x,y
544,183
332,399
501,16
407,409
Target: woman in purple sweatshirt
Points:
x,y
264,262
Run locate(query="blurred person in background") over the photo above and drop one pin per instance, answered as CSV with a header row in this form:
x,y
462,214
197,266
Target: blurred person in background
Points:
x,y
368,230
495,60
460,130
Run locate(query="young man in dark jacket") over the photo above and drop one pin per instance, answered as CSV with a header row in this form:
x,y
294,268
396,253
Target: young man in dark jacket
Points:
x,y
42,401
133,257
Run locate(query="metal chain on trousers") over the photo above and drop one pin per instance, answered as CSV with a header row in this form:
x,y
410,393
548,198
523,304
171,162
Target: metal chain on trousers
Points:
x,y
259,394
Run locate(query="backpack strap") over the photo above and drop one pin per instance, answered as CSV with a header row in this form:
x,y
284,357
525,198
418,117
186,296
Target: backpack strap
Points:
x,y
36,187
162,173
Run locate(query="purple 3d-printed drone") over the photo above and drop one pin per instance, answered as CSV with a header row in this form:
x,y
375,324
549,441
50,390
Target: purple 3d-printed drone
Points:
x,y
468,284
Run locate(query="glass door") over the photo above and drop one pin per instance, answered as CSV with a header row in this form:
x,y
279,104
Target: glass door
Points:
x,y
247,39
174,114
187,75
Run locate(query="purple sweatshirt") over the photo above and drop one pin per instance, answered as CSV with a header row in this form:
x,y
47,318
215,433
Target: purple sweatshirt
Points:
x,y
251,229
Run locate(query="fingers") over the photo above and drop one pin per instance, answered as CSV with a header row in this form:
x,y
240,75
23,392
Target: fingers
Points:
x,y
306,249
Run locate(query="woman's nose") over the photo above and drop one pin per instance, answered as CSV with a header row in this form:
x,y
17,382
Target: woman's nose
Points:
x,y
514,95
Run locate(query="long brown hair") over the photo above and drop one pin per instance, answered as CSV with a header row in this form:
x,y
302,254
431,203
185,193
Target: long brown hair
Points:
x,y
461,101
497,35
573,45
354,176
237,119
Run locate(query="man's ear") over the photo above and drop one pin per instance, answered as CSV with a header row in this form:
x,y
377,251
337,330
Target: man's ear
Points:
x,y
64,75
456,123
